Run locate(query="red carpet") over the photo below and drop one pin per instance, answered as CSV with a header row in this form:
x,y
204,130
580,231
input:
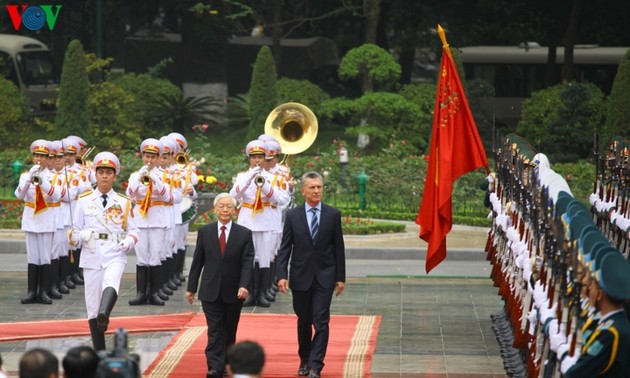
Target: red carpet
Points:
x,y
350,348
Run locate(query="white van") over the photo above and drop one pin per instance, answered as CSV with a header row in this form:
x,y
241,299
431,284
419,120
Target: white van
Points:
x,y
28,63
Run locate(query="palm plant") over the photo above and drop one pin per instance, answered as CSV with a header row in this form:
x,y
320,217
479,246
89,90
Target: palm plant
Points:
x,y
177,111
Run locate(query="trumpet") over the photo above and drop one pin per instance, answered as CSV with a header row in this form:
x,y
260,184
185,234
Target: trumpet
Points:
x,y
259,180
181,158
36,179
146,178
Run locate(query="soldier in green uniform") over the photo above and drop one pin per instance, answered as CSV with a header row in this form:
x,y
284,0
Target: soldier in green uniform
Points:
x,y
606,351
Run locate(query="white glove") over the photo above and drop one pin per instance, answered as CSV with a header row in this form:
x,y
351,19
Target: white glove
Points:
x,y
547,313
557,339
568,362
532,315
34,169
143,171
85,235
126,245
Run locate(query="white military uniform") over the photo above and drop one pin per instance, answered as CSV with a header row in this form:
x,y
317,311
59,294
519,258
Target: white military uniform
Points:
x,y
262,220
39,228
152,225
100,230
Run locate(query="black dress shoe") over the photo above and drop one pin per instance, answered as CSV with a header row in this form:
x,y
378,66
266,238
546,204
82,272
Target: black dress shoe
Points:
x,y
213,374
303,370
314,373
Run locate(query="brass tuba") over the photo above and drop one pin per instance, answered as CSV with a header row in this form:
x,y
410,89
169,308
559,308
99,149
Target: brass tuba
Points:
x,y
293,125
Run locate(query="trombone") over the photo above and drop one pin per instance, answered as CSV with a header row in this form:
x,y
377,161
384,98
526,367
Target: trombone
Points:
x,y
182,159
82,158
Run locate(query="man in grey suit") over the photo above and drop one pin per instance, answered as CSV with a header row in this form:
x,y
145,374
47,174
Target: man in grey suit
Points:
x,y
312,240
225,253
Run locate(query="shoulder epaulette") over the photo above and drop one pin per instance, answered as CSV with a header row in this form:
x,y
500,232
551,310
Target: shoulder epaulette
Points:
x,y
124,196
86,193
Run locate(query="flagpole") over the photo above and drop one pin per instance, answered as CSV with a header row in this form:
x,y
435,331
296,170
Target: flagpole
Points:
x,y
442,35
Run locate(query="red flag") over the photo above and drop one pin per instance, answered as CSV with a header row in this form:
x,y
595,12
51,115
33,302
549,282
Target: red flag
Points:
x,y
455,150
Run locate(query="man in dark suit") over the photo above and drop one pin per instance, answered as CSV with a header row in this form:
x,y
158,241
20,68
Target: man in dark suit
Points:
x,y
225,253
312,240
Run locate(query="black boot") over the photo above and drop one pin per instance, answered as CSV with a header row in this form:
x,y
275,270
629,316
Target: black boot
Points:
x,y
76,276
53,292
98,337
33,274
68,268
44,284
251,298
142,282
181,260
263,279
108,300
64,262
155,283
168,274
172,272
270,295
163,291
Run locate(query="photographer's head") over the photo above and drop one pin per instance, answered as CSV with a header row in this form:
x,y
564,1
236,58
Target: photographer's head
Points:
x,y
245,358
39,363
80,362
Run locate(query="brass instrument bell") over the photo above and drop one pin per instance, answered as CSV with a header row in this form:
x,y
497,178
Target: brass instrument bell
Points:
x,y
293,125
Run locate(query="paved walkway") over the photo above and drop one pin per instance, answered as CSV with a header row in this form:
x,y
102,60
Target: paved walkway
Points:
x,y
433,325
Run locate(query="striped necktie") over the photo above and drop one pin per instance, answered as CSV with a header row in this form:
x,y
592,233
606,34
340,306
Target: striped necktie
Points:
x,y
314,223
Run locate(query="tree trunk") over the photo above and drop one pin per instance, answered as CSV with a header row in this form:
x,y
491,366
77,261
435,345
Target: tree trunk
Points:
x,y
276,31
569,41
372,11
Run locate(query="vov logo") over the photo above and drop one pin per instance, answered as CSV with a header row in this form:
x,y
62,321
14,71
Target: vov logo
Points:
x,y
34,17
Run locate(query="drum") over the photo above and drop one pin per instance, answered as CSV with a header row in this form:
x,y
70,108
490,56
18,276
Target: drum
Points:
x,y
188,209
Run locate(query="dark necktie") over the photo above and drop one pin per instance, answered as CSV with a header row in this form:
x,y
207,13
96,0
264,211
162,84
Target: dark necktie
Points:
x,y
222,239
104,200
314,223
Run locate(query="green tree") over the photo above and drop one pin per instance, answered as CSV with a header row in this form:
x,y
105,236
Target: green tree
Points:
x,y
72,104
14,107
262,92
372,65
146,90
302,91
618,103
561,120
115,126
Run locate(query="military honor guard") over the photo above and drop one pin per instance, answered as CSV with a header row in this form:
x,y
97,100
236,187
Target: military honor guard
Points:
x,y
78,182
173,180
38,222
281,181
151,195
255,191
60,239
185,170
104,227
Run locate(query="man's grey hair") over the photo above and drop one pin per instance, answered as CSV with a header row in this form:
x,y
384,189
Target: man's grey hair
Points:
x,y
310,175
220,196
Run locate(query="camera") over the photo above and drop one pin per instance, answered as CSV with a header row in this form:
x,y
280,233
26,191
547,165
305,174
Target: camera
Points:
x,y
119,363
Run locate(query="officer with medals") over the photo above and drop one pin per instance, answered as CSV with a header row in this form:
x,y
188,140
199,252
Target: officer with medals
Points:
x,y
103,224
254,189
